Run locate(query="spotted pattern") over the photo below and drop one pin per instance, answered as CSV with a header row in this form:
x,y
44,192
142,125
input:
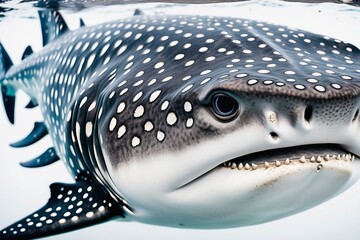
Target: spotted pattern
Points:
x,y
68,205
146,66
135,87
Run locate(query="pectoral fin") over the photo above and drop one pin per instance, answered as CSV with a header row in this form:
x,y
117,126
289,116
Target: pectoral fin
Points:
x,y
70,207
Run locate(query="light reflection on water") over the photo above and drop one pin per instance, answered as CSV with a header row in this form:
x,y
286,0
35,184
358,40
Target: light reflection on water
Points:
x,y
25,190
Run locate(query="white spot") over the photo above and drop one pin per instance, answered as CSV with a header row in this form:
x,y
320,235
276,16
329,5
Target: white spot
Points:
x,y
187,106
186,78
167,79
312,80
137,96
150,39
171,118
268,82
160,136
154,95
205,72
123,91
121,50
320,88
242,75
128,34
189,63
148,126
187,45
121,107
289,72
179,56
139,74
160,49
152,81
173,43
267,59
139,111
92,106
189,122
205,80
187,88
164,105
252,81
121,131
138,83
88,129
210,40
135,141
321,52
112,124
209,59
203,49
69,116
345,77
299,86
147,60
336,86
83,101
90,60
104,49
263,71
89,214
158,65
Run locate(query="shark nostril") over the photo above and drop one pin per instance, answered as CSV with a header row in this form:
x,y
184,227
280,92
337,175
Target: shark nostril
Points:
x,y
274,135
356,115
308,113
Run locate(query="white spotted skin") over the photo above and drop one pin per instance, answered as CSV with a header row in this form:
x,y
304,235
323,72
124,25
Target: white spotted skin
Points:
x,y
129,104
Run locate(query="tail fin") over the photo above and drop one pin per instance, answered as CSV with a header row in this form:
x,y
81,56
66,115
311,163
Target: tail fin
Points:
x,y
8,93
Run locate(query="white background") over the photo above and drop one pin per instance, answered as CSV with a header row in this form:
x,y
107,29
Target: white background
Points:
x,y
22,191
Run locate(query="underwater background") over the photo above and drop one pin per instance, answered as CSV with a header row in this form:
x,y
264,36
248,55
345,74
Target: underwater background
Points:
x,y
23,191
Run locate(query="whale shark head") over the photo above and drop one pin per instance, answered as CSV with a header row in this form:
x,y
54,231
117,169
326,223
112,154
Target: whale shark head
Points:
x,y
229,122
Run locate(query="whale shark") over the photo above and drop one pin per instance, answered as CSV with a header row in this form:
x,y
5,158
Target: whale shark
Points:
x,y
186,121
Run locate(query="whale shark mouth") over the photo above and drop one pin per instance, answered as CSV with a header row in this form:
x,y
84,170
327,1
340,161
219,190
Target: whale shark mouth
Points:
x,y
313,154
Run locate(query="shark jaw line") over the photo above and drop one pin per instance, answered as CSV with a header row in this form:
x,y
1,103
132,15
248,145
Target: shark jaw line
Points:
x,y
305,154
314,154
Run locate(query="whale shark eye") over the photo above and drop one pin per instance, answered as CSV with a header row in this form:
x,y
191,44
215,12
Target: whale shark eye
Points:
x,y
224,107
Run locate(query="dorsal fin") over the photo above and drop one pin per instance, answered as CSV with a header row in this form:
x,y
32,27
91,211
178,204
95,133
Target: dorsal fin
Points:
x,y
52,25
28,51
138,12
82,24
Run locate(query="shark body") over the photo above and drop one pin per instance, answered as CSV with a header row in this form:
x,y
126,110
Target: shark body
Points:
x,y
187,121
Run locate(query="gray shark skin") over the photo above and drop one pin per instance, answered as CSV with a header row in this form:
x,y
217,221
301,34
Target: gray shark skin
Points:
x,y
187,121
